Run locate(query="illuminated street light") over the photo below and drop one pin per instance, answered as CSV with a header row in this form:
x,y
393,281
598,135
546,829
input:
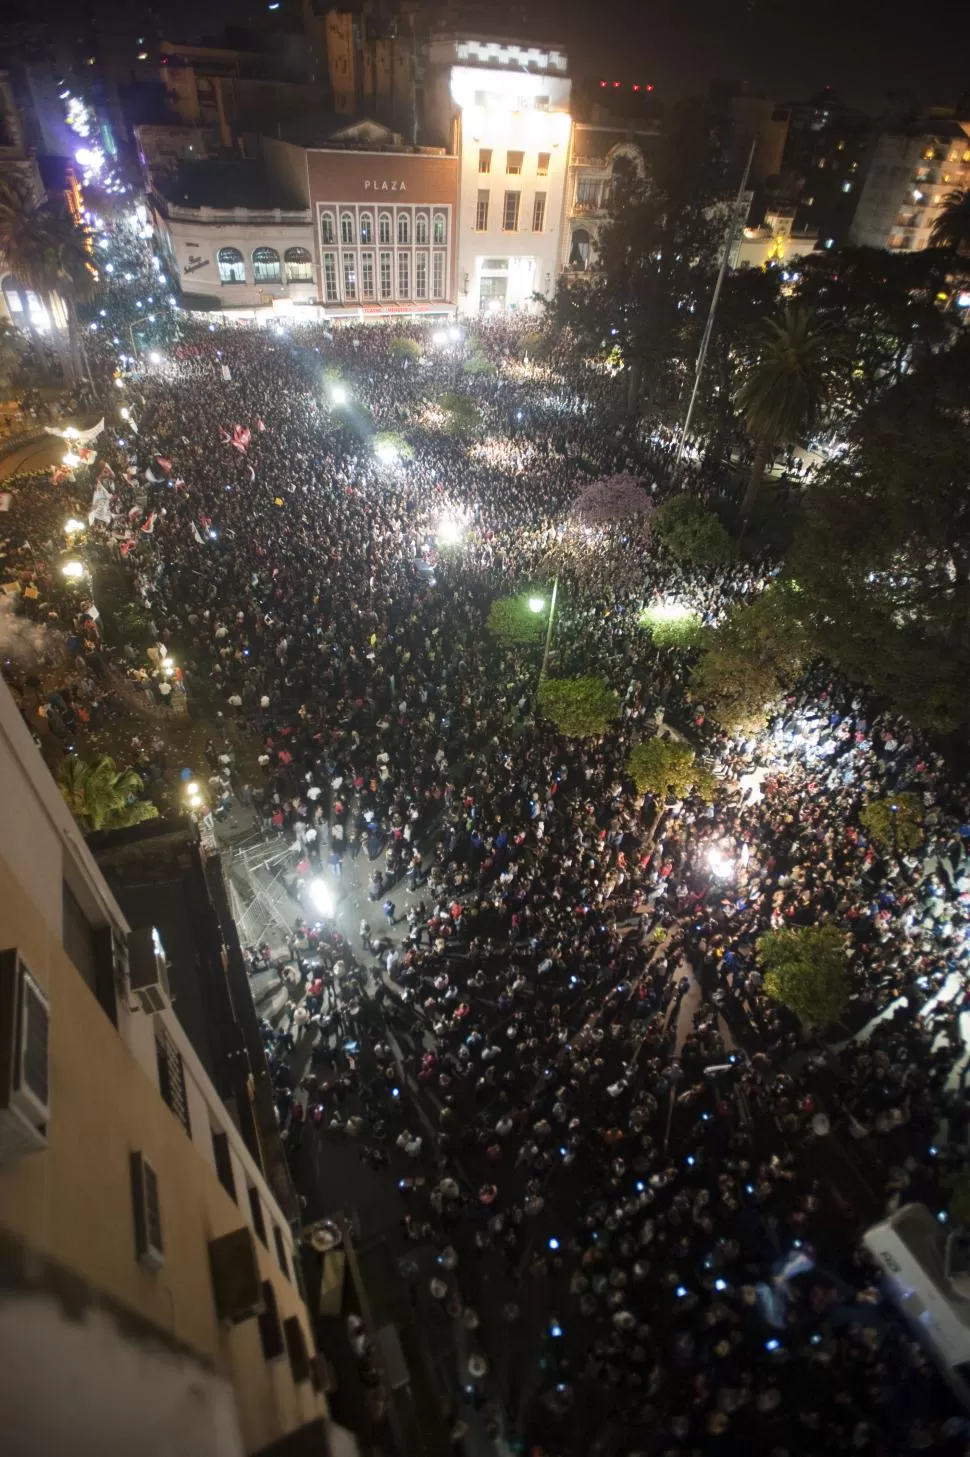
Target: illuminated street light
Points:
x,y
119,384
671,611
124,412
386,453
155,357
454,335
321,896
70,459
537,604
339,394
439,337
450,531
72,526
73,571
721,865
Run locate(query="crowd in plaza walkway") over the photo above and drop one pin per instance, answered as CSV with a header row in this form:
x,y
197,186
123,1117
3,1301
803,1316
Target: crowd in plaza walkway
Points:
x,y
646,1184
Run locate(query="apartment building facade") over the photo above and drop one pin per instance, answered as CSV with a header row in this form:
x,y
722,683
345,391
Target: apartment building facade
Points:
x,y
150,1295
910,174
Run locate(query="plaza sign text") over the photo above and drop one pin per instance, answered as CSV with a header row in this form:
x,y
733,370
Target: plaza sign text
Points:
x,y
376,186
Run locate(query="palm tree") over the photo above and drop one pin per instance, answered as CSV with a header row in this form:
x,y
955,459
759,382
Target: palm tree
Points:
x,y
799,360
47,252
951,228
102,797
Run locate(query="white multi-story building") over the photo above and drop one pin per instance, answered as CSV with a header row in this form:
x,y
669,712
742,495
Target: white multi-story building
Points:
x,y
909,178
507,109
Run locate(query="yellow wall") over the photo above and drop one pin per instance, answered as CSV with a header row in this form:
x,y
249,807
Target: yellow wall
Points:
x,y
72,1203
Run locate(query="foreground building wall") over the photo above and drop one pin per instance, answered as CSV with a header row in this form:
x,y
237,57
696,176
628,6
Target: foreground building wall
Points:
x,y
126,1325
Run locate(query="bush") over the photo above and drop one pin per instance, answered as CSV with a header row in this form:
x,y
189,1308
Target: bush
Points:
x,y
692,532
404,349
804,969
672,627
580,707
512,620
894,824
462,415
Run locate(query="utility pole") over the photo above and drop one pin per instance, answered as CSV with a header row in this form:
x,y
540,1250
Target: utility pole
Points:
x,y
731,230
552,613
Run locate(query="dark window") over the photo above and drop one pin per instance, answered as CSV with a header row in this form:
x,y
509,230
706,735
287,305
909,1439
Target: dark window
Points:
x,y
296,1348
220,1147
171,1077
78,936
259,1223
280,1250
270,1330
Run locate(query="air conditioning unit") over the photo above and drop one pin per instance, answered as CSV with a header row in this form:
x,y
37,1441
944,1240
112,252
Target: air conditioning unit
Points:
x,y
236,1282
24,1075
148,969
147,1212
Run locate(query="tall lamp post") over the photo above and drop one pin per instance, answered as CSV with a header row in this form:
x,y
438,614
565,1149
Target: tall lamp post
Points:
x,y
536,604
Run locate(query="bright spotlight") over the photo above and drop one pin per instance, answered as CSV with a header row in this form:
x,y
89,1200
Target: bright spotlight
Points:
x,y
321,896
386,452
450,531
454,335
670,611
338,394
73,571
155,357
439,337
70,459
72,526
721,865
537,604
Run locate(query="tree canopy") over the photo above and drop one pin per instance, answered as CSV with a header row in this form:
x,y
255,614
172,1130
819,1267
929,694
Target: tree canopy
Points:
x,y
748,662
462,415
579,707
512,620
404,348
102,797
896,823
692,532
662,767
804,969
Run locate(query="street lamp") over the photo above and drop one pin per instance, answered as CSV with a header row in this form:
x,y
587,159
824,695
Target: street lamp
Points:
x,y
73,571
154,357
439,337
386,453
449,531
338,394
321,896
537,604
72,526
552,613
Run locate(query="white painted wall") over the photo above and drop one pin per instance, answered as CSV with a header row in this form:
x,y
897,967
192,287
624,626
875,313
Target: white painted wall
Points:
x,y
192,249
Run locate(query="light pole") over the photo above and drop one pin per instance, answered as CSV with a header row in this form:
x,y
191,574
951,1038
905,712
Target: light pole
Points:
x,y
552,613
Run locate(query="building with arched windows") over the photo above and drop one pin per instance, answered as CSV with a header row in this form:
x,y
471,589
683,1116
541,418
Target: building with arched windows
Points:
x,y
605,154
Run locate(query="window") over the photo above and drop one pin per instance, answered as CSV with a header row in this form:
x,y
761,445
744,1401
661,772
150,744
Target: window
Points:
x,y
280,1251
346,229
403,275
384,228
513,163
510,212
809,201
350,277
367,275
147,1213
421,275
539,212
77,936
266,266
330,277
484,159
296,1348
232,266
588,191
438,276
481,211
366,228
270,1330
440,228
327,233
542,164
386,285
403,229
171,1076
298,265
255,1208
421,228
542,103
223,1158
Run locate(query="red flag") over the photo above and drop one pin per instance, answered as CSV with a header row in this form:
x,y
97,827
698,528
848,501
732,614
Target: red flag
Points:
x,y
165,465
127,545
147,527
241,436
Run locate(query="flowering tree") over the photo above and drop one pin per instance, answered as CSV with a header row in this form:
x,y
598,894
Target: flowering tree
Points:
x,y
613,499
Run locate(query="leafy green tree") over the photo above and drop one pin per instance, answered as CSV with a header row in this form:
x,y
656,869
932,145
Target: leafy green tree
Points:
x,y
47,252
692,532
462,415
393,444
883,555
748,662
896,823
804,969
785,391
404,348
102,797
664,767
535,345
512,620
683,630
951,226
579,707
644,301
478,364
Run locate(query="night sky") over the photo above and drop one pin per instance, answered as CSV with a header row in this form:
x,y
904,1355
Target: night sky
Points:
x,y
866,49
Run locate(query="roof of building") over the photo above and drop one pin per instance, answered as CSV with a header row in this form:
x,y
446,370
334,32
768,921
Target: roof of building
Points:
x,y
224,183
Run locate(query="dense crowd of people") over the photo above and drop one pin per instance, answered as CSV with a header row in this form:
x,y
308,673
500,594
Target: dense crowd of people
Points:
x,y
645,1184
